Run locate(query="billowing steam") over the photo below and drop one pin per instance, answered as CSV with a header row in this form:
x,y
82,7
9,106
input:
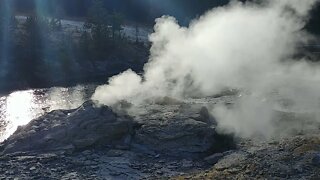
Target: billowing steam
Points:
x,y
244,46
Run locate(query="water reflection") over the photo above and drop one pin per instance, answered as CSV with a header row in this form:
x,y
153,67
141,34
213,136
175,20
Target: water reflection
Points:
x,y
20,107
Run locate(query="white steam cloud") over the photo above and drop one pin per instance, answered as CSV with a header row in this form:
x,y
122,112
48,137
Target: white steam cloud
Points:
x,y
243,46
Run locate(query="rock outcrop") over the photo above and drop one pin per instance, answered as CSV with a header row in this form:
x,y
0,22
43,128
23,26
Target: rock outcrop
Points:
x,y
71,130
177,129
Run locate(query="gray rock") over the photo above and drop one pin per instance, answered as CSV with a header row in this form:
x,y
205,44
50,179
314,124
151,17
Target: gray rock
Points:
x,y
83,143
72,175
115,153
316,160
213,159
186,163
71,130
206,117
159,172
177,136
32,168
167,101
230,161
178,130
87,152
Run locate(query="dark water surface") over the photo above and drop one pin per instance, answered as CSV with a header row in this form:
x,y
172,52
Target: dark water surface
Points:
x,y
20,107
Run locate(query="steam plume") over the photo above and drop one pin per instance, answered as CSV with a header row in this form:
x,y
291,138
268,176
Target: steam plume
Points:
x,y
243,46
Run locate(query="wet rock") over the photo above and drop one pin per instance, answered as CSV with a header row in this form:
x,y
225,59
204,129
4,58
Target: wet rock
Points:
x,y
32,168
178,130
95,142
159,172
213,159
316,160
83,143
186,163
177,136
25,158
115,153
72,175
87,152
81,128
230,161
206,117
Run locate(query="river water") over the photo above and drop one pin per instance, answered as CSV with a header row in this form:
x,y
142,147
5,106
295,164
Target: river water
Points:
x,y
20,107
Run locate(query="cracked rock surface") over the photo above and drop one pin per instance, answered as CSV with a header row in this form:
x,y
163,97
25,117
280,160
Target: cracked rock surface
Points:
x,y
90,142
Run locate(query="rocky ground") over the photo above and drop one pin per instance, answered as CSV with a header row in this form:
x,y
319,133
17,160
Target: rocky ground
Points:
x,y
166,139
289,158
94,164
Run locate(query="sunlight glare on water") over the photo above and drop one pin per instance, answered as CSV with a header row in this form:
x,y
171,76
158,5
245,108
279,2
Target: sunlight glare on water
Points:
x,y
17,110
20,107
